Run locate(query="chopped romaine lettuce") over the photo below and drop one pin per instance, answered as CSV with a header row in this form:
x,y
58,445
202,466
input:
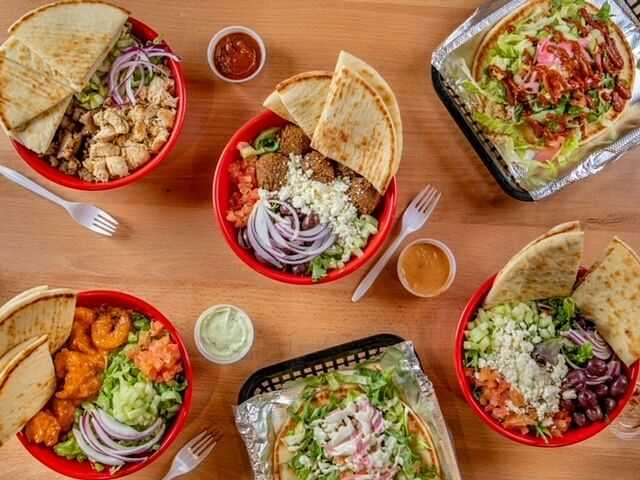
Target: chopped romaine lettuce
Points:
x,y
70,449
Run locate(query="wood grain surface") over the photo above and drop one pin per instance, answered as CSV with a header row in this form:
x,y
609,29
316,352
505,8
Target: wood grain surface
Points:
x,y
171,252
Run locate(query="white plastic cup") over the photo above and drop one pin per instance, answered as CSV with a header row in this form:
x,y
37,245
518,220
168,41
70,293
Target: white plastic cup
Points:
x,y
236,29
222,360
452,267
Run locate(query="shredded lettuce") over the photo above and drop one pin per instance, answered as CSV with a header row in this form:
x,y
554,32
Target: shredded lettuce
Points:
x,y
569,147
604,13
131,398
70,449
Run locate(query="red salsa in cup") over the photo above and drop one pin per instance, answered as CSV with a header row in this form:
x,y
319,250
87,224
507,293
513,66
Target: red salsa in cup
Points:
x,y
237,56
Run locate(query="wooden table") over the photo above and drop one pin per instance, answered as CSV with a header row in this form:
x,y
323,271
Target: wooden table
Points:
x,y
171,251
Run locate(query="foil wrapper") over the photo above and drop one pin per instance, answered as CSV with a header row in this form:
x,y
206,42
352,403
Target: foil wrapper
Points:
x,y
260,418
591,158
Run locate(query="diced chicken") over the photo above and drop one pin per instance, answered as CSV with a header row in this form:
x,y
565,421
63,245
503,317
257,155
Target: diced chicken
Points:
x,y
98,169
112,118
139,131
89,126
158,142
105,134
117,166
159,92
136,154
166,117
69,145
102,149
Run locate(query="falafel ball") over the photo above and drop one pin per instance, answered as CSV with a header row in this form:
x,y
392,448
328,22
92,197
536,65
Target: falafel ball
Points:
x,y
271,171
293,140
321,167
363,195
342,171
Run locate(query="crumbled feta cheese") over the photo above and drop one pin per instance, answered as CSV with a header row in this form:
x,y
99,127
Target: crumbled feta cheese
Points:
x,y
329,201
512,344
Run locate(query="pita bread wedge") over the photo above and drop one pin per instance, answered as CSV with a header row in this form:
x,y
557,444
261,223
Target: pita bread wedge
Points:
x,y
42,312
26,93
547,267
373,78
72,37
357,130
274,103
37,134
27,382
282,455
303,96
610,296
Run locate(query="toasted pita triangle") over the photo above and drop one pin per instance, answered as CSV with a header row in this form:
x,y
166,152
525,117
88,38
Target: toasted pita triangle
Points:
x,y
274,103
27,382
71,37
357,130
610,296
547,267
303,96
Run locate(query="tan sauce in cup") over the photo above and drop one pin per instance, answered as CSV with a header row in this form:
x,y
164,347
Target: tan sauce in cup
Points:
x,y
425,267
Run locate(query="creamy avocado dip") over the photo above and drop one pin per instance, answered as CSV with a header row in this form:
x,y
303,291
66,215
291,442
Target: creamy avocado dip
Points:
x,y
225,332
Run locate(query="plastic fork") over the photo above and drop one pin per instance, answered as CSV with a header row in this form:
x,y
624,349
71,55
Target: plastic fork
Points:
x,y
414,218
87,215
194,452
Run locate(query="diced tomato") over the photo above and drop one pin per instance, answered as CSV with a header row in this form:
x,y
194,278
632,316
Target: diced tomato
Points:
x,y
160,361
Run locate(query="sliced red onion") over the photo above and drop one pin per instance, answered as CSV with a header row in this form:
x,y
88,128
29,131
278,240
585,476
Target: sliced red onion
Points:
x,y
90,437
120,431
92,453
108,446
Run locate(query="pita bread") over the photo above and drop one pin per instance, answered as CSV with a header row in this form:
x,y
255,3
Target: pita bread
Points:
x,y
303,96
27,382
72,37
37,134
373,78
42,312
282,455
547,267
357,130
25,93
274,103
610,296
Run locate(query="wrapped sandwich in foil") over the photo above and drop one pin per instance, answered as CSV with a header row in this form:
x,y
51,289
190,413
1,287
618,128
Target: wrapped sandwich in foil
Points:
x,y
549,88
379,418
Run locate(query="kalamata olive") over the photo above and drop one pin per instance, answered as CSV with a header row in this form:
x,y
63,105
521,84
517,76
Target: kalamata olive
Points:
x,y
601,390
619,386
566,404
300,269
596,367
310,221
575,378
580,419
609,404
587,398
594,414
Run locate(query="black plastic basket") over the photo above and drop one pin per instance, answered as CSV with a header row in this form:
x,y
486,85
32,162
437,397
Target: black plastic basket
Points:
x,y
484,147
347,355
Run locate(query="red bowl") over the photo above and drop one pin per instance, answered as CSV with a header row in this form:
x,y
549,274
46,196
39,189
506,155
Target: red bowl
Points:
x,y
572,436
41,166
385,212
83,470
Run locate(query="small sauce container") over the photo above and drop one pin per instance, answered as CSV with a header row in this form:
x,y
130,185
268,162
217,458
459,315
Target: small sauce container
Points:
x,y
224,334
236,54
426,267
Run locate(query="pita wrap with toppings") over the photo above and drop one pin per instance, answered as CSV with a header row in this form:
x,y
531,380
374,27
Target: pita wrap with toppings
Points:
x,y
27,382
547,267
40,311
610,296
345,428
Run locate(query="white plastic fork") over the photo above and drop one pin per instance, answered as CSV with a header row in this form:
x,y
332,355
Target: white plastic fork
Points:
x,y
87,215
414,218
194,452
